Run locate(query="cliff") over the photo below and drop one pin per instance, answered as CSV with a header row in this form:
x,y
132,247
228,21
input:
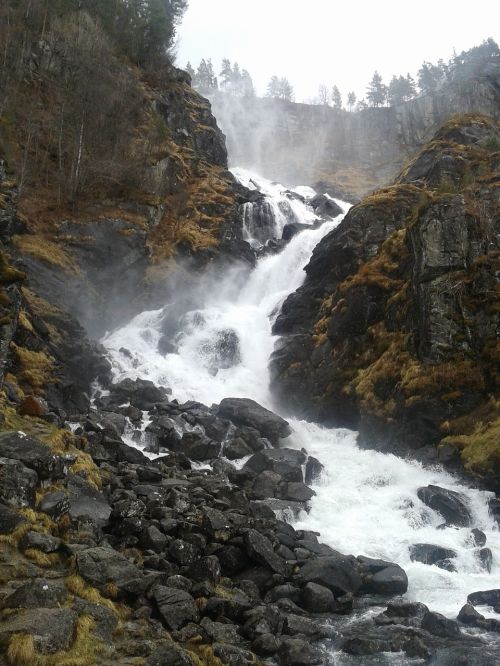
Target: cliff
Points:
x,y
351,153
395,331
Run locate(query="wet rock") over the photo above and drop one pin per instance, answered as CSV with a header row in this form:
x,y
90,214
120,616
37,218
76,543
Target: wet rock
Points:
x,y
183,552
298,492
439,625
153,539
266,645
103,566
402,612
44,542
141,393
297,652
494,508
52,629
314,469
198,447
338,574
485,598
450,504
230,654
317,598
176,607
478,537
287,463
220,632
104,618
128,516
469,615
232,560
216,524
236,448
243,411
266,485
38,593
17,483
324,205
383,577
485,557
260,549
428,553
223,351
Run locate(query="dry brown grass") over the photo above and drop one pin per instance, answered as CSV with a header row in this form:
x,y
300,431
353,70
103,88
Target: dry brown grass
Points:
x,y
47,251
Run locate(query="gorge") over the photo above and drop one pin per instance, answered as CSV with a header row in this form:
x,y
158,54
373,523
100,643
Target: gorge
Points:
x,y
284,447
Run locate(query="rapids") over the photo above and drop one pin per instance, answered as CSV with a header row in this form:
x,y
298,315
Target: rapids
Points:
x,y
366,502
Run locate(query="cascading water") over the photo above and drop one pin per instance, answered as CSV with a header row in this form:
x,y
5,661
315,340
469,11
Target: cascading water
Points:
x,y
366,502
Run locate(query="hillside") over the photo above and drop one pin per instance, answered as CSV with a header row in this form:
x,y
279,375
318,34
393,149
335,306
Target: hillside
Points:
x,y
395,330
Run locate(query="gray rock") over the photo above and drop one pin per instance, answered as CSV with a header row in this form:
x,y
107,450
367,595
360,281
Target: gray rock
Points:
x,y
297,652
32,453
153,539
298,492
101,566
17,483
450,504
168,654
439,625
236,448
339,574
469,615
44,542
205,569
243,411
55,505
317,598
287,463
199,447
9,519
485,598
266,645
52,629
314,469
391,580
260,549
478,537
38,593
220,632
85,502
176,607
429,553
485,556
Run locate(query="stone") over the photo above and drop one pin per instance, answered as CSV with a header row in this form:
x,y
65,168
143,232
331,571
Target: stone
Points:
x,y
17,483
32,453
236,448
391,580
287,463
297,652
298,492
153,539
243,411
478,537
266,645
317,598
325,205
260,549
44,542
314,469
230,654
205,569
485,557
142,393
169,654
439,625
176,607
198,447
33,406
485,598
338,574
52,629
469,615
38,593
9,519
103,566
220,632
86,502
428,553
55,504
183,552
450,504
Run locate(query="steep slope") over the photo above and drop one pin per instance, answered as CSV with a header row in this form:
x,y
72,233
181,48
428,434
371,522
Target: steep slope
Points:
x,y
395,330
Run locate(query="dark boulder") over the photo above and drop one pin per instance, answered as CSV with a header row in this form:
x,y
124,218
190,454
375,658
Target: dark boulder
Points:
x,y
52,628
205,569
55,504
169,654
428,553
317,598
141,393
314,470
450,504
38,593
176,607
222,351
236,448
485,557
381,577
243,411
260,549
9,519
325,206
85,502
298,652
439,625
32,453
44,542
287,463
339,574
103,566
199,447
478,537
484,598
296,491
469,615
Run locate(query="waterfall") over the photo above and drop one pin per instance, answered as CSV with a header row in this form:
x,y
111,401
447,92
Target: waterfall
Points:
x,y
366,502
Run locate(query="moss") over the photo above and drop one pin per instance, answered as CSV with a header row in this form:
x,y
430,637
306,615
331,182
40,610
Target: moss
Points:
x,y
8,274
25,322
21,650
41,559
480,450
77,586
47,251
35,369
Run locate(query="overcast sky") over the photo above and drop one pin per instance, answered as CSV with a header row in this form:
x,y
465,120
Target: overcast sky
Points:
x,y
325,41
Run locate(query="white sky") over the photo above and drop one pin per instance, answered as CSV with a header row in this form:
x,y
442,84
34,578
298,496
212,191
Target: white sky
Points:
x,y
323,41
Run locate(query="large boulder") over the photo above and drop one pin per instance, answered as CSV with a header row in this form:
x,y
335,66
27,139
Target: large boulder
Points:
x,y
243,411
338,573
450,504
32,453
52,629
38,593
286,463
260,549
382,577
104,566
17,483
485,598
427,553
176,607
87,503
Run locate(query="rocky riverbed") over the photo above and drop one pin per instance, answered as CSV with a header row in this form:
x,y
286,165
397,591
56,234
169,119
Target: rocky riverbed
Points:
x,y
180,552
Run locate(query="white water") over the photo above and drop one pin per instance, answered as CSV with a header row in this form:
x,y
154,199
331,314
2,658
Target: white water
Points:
x,y
366,503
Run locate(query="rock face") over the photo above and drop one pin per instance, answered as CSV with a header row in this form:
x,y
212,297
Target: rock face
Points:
x,y
394,330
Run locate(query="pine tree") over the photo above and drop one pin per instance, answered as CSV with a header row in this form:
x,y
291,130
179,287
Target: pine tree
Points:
x,y
190,71
226,73
351,100
247,87
273,88
376,93
323,96
336,98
